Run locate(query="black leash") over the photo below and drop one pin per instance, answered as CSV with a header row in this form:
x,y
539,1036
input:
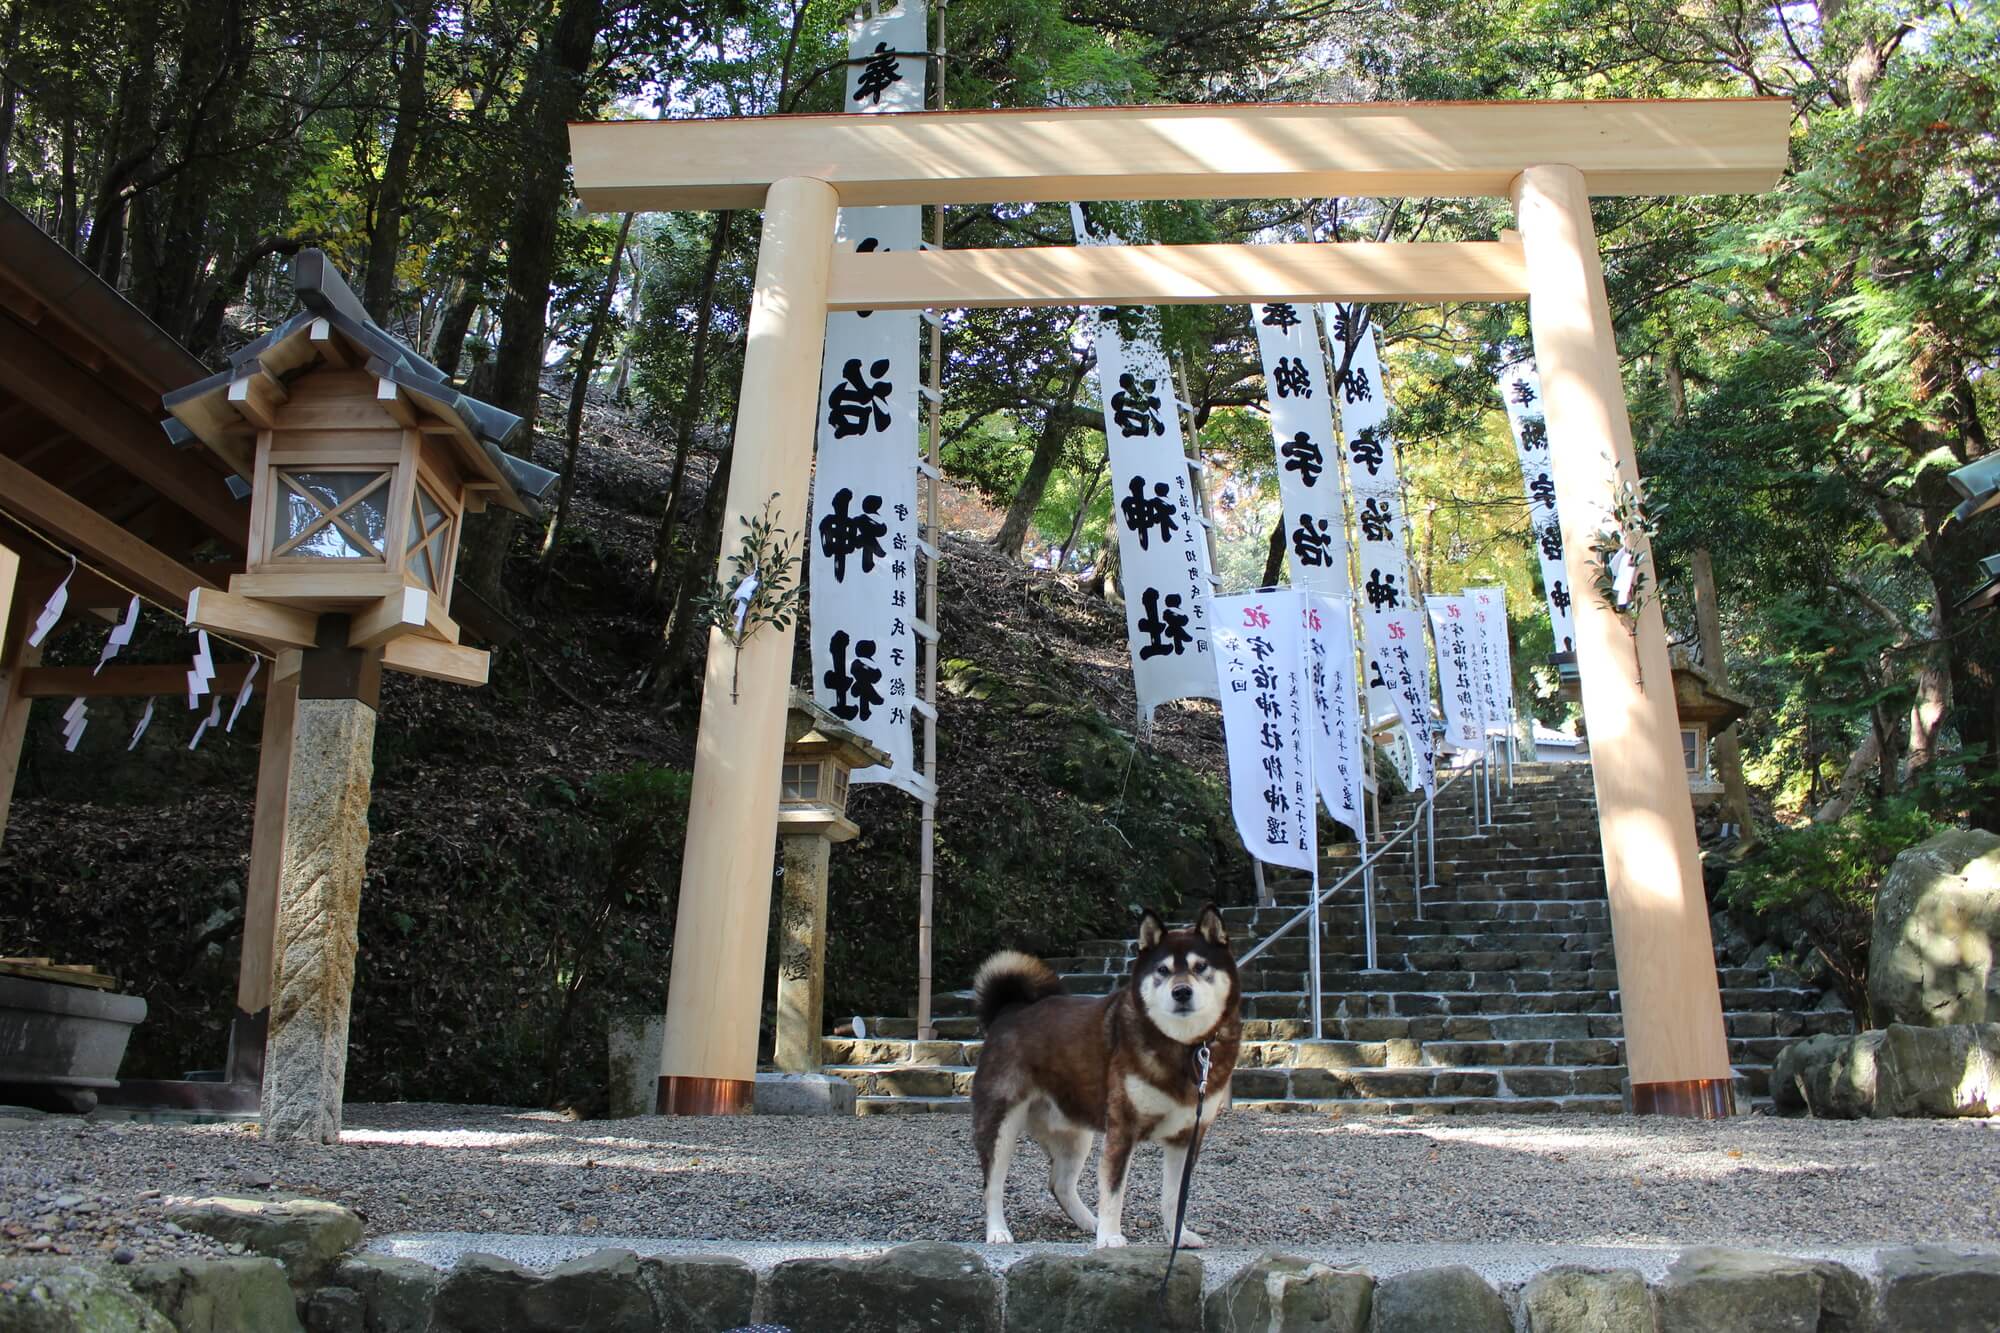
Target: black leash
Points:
x,y
1200,1072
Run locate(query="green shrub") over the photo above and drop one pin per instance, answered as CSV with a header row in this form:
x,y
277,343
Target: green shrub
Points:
x,y
1817,883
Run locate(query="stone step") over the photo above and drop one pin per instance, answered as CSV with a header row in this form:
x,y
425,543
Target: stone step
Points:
x,y
1789,1025
1342,1107
906,1080
913,1105
1308,1084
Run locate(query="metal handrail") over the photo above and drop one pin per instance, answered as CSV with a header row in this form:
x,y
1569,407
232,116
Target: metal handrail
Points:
x,y
1311,909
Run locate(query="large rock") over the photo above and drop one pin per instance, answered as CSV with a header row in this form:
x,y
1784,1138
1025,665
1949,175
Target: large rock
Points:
x,y
925,1288
1105,1289
35,1299
319,905
1937,926
1439,1300
699,1293
1282,1294
306,1235
608,1291
218,1295
1931,1289
485,1293
1587,1300
1947,1071
396,1295
1737,1291
1829,1076
1901,1071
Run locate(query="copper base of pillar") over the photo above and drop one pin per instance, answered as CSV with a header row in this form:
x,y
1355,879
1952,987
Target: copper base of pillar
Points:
x,y
1688,1098
684,1094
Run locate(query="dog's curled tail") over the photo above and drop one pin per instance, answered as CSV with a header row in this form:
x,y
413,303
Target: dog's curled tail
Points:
x,y
1011,978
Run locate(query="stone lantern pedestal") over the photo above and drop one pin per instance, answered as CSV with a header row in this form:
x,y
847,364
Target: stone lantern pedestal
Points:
x,y
812,816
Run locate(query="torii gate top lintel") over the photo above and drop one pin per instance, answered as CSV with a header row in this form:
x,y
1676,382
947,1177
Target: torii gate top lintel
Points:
x,y
1288,150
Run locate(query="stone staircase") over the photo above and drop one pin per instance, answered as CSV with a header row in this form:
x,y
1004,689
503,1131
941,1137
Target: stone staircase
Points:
x,y
1498,994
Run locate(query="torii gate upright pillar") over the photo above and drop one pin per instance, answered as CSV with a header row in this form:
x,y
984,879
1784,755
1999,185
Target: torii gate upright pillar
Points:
x,y
1676,1051
708,1061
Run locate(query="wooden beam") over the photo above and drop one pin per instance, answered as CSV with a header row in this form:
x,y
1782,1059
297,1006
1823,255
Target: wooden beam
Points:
x,y
36,503
397,614
268,623
267,843
390,398
1457,149
257,397
14,709
1176,275
411,611
418,656
332,348
77,403
10,591
332,587
124,681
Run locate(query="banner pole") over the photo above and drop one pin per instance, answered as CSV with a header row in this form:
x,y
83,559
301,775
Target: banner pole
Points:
x,y
1312,951
927,833
1367,900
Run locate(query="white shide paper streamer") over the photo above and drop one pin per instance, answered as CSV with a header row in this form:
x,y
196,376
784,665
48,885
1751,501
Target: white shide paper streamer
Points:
x,y
52,610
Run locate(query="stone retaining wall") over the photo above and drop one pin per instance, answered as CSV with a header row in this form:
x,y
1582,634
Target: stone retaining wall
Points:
x,y
932,1288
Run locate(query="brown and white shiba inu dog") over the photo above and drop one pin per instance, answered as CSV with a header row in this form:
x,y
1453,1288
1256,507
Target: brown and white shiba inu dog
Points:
x,y
1068,1067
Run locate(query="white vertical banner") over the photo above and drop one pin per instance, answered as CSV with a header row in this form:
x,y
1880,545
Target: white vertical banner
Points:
x,y
864,525
1489,607
1309,479
1265,706
1339,767
1521,390
1162,549
1392,625
1459,685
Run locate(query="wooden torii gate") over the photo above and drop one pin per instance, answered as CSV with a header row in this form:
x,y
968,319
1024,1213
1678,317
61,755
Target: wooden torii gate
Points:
x,y
1549,158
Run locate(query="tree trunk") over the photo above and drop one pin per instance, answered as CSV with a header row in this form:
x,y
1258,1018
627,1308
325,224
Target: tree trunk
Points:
x,y
690,413
1274,556
552,96
385,237
1865,757
1048,450
678,675
1105,585
207,330
457,319
1928,708
1726,749
586,363
621,374
1083,509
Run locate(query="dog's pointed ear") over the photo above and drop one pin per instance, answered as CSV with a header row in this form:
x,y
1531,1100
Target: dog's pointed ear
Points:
x,y
1209,925
1151,930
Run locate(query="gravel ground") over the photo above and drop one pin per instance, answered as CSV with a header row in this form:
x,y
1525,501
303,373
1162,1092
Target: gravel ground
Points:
x,y
1295,1180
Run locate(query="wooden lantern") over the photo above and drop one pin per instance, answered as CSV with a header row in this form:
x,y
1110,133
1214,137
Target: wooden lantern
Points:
x,y
820,754
362,461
